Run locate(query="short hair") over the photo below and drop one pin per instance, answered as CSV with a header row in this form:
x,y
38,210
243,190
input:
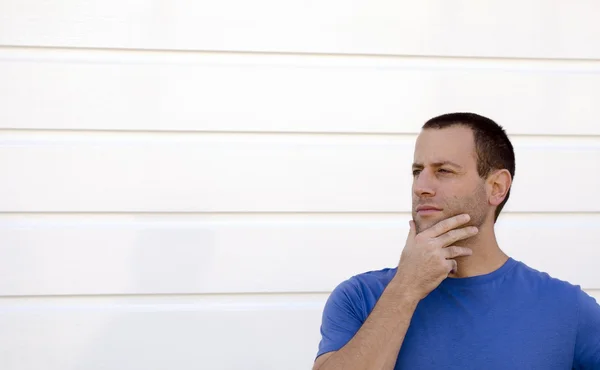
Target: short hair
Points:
x,y
493,148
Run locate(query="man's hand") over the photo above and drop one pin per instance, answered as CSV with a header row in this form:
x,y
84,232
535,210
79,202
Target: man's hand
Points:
x,y
425,262
428,258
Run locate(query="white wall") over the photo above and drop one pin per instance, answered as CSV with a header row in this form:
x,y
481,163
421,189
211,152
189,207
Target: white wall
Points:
x,y
185,181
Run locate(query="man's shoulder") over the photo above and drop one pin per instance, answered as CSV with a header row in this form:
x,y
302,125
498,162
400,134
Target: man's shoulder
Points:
x,y
367,285
543,281
376,279
382,275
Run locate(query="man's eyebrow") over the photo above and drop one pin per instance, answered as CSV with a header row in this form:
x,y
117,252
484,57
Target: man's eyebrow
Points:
x,y
438,164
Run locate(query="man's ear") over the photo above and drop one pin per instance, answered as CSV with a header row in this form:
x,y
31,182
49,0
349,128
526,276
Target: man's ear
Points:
x,y
499,183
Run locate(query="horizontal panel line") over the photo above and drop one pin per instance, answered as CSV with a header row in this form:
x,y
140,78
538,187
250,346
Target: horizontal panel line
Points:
x,y
384,56
133,298
186,296
14,130
260,133
191,213
268,213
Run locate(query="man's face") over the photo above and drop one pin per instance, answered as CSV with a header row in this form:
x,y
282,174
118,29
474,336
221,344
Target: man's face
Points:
x,y
445,178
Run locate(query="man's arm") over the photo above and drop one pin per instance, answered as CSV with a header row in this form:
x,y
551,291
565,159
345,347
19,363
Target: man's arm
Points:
x,y
426,261
587,343
377,343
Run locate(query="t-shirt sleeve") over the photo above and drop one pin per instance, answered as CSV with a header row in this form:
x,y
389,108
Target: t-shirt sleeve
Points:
x,y
341,319
587,344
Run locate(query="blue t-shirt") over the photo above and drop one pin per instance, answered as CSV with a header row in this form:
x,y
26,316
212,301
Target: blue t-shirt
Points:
x,y
513,318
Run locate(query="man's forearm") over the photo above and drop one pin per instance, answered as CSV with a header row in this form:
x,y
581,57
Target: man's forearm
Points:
x,y
377,343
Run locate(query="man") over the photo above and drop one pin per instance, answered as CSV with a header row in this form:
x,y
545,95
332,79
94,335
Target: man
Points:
x,y
455,300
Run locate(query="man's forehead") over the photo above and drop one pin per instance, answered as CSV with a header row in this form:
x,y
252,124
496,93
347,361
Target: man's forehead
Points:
x,y
453,144
458,135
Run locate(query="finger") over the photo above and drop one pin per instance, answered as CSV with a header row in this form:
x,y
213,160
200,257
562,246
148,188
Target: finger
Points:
x,y
446,225
452,266
454,251
455,235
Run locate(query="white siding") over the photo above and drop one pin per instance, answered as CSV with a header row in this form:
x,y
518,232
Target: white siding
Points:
x,y
186,172
231,92
535,29
185,181
249,253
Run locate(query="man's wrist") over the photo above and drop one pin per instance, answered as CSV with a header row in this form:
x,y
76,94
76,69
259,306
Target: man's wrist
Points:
x,y
406,292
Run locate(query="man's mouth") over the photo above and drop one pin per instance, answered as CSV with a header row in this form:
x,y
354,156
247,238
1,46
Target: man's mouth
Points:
x,y
427,209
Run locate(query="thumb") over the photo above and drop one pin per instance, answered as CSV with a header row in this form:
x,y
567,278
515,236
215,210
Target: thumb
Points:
x,y
413,229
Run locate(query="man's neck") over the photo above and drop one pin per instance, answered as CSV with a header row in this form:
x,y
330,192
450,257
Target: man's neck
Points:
x,y
486,258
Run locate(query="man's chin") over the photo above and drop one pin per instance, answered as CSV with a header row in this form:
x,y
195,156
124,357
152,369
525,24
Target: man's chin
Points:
x,y
424,223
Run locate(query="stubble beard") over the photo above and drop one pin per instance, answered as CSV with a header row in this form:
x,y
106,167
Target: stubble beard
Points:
x,y
475,205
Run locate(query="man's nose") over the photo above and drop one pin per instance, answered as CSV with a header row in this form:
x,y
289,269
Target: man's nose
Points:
x,y
424,184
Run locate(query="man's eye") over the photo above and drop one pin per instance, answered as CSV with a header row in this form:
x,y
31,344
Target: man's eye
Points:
x,y
444,170
416,172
